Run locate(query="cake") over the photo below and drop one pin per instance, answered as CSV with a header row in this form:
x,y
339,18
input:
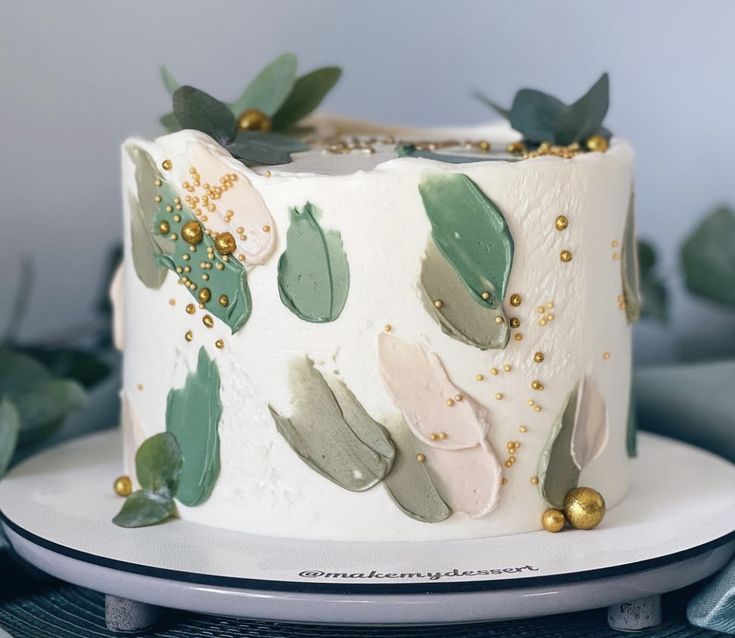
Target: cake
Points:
x,y
394,335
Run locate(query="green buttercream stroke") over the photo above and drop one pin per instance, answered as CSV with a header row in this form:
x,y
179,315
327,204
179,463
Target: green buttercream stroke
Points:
x,y
226,276
192,415
629,267
470,231
459,315
409,484
313,274
143,210
332,432
557,471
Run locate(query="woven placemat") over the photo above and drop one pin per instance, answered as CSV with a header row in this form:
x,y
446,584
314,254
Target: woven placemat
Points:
x,y
33,605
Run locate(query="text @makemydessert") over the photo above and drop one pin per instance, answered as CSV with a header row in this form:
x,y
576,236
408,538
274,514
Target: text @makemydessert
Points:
x,y
453,573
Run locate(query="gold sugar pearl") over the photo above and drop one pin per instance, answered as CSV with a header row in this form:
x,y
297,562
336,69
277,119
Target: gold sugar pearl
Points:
x,y
191,309
531,402
515,322
224,300
507,367
433,436
537,408
499,396
166,165
494,371
387,327
219,344
606,355
538,357
225,244
172,302
450,402
208,321
584,508
420,458
443,436
498,320
479,377
541,310
192,232
509,463
518,337
522,428
188,335
534,480
561,222
438,303
537,385
515,299
597,143
458,397
157,182
565,256
552,520
164,227
549,304
266,229
614,243
204,295
123,486
504,481
158,199
485,295
516,148
254,120
616,256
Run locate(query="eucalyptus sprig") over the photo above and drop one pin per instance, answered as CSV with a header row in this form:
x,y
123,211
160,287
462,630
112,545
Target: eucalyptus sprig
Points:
x,y
541,117
276,98
158,465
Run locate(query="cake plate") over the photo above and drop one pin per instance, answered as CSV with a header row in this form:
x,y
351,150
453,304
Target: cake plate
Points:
x,y
675,527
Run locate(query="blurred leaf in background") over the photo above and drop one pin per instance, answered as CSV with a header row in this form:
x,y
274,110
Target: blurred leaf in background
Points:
x,y
653,290
43,382
708,257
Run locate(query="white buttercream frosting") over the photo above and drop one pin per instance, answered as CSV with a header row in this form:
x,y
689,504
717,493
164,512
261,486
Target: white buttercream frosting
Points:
x,y
372,200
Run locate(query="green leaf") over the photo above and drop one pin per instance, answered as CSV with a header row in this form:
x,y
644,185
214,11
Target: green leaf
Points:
x,y
308,92
82,366
313,273
654,295
158,464
534,114
195,109
20,373
143,508
503,112
273,140
44,408
252,152
9,432
170,123
270,88
169,81
193,414
708,257
584,118
470,231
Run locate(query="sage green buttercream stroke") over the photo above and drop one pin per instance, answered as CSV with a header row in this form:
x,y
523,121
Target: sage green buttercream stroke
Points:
x,y
143,210
193,414
409,484
629,267
470,231
557,471
225,276
332,432
459,315
313,274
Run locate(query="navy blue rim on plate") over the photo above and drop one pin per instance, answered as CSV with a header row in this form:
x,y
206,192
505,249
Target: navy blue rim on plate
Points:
x,y
363,588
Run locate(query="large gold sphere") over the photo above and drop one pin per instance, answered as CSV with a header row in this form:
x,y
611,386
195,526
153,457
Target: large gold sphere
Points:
x,y
225,243
584,508
254,120
192,233
596,143
553,520
123,486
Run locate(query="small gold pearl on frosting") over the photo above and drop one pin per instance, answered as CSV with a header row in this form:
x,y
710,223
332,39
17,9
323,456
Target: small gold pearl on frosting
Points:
x,y
498,320
204,295
458,397
450,402
565,256
605,355
485,295
433,436
387,327
522,428
597,143
534,480
537,385
208,321
420,458
515,322
166,165
499,396
561,222
538,357
438,303
515,299
518,337
190,309
188,335
507,367
494,371
479,377
219,344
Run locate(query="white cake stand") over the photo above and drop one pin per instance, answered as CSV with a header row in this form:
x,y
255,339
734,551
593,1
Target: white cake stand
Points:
x,y
676,527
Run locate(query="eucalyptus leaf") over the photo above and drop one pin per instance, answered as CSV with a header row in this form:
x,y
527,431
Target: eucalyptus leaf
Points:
x,y
253,152
84,366
708,257
19,372
195,109
9,432
273,140
584,118
307,94
169,122
270,88
158,464
534,114
143,508
503,112
169,81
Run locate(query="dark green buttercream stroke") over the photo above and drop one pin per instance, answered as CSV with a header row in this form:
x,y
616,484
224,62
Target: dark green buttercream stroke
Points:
x,y
332,432
193,414
470,231
409,484
558,473
313,274
226,276
629,267
458,314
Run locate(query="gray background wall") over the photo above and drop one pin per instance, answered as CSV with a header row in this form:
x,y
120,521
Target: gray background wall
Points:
x,y
79,76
